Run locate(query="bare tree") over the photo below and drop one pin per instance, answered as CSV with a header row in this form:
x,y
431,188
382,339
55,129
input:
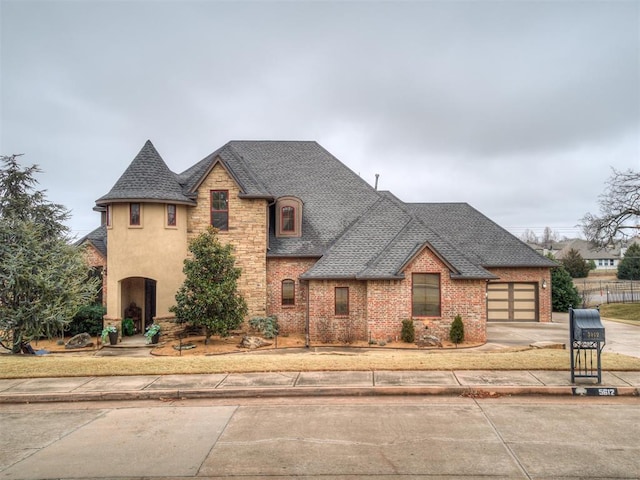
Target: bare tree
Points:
x,y
529,236
549,236
619,209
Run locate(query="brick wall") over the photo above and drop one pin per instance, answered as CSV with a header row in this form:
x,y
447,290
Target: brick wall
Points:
x,y
247,233
324,325
390,301
291,318
95,259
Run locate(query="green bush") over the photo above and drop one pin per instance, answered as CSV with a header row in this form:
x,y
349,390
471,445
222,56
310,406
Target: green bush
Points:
x,y
267,326
88,319
128,328
408,333
456,334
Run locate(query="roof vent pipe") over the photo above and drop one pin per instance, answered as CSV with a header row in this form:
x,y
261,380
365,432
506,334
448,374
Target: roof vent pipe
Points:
x,y
376,185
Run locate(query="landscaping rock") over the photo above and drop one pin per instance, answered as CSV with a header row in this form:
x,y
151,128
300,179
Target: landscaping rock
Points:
x,y
253,342
81,340
552,345
429,341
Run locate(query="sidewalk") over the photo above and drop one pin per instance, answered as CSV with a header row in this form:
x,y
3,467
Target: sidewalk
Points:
x,y
277,384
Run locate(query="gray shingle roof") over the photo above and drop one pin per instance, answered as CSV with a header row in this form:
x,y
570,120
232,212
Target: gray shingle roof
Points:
x,y
98,238
483,241
147,178
356,231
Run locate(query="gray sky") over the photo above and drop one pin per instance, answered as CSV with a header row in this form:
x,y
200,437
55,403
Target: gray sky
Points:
x,y
517,108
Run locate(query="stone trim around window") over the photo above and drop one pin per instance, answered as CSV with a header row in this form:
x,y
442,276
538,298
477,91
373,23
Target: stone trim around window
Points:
x,y
135,215
289,217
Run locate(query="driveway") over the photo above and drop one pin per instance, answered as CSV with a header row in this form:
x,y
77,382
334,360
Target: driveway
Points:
x,y
620,337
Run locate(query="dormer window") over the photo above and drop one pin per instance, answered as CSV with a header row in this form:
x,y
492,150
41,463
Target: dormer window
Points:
x,y
289,217
220,209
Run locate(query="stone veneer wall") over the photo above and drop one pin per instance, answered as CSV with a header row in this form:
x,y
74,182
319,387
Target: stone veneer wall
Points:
x,y
247,233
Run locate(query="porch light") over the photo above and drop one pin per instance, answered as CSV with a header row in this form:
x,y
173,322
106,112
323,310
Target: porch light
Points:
x,y
544,284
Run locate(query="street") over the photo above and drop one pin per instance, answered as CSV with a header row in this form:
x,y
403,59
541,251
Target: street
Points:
x,y
329,438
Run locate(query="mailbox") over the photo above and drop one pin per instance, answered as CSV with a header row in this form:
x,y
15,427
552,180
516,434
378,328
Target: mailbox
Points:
x,y
587,341
587,326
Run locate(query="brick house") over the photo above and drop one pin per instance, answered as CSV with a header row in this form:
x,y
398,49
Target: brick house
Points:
x,y
321,249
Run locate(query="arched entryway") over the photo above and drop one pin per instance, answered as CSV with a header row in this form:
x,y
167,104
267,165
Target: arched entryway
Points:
x,y
138,301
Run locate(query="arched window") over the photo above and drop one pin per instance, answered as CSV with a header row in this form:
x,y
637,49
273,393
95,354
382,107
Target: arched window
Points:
x,y
288,219
288,292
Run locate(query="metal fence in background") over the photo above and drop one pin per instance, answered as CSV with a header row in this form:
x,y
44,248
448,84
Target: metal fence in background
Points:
x,y
599,292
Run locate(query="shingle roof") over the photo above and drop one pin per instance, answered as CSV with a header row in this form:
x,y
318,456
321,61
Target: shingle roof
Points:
x,y
354,230
147,178
483,241
98,238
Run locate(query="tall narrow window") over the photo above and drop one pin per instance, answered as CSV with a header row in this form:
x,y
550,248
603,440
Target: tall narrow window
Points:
x,y
134,214
288,219
288,292
171,215
108,216
426,295
220,209
342,300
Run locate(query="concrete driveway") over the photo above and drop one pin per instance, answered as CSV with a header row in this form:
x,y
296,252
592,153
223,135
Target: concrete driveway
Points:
x,y
620,337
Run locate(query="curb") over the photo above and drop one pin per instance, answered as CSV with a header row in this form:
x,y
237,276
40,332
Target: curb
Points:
x,y
473,391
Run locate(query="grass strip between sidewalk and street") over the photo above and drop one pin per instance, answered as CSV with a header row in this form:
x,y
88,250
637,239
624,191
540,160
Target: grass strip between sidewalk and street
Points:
x,y
27,366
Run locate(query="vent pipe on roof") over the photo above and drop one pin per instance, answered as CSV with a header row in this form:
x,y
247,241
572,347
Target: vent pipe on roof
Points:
x,y
376,185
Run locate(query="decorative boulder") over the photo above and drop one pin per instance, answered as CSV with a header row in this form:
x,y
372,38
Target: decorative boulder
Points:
x,y
429,341
81,340
253,342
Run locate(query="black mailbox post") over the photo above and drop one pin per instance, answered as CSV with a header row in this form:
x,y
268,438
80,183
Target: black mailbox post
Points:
x,y
587,341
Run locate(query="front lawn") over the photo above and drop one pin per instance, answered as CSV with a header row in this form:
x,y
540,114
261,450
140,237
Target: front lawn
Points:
x,y
630,312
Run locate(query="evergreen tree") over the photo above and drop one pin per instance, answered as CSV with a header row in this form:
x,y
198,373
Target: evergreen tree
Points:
x,y
575,264
43,277
629,267
456,332
563,292
209,297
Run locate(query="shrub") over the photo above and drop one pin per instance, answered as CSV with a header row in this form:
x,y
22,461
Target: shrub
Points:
x,y
456,334
267,326
128,328
408,333
88,319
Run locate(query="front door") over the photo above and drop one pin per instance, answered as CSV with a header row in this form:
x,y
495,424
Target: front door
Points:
x,y
149,301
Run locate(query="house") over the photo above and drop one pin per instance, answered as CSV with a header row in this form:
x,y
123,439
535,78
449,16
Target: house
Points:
x,y
329,255
604,258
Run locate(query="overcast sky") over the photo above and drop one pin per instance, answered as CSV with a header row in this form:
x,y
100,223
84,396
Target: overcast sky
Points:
x,y
518,108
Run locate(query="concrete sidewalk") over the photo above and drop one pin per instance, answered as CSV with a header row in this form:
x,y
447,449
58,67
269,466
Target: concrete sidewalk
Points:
x,y
278,384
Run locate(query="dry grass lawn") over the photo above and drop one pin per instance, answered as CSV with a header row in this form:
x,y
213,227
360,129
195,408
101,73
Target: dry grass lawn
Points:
x,y
26,366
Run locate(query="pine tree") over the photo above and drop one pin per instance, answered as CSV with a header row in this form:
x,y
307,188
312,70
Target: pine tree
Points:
x,y
575,264
629,267
44,279
563,292
456,333
209,297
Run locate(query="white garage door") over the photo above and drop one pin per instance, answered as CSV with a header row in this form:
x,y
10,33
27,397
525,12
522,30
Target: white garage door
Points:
x,y
512,302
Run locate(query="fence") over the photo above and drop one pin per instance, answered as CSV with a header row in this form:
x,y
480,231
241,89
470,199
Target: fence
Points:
x,y
598,292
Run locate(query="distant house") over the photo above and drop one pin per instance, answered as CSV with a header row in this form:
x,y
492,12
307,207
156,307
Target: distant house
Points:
x,y
604,259
321,249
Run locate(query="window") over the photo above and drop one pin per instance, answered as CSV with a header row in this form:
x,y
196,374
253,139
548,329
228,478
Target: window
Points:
x,y
108,216
288,219
134,214
342,300
288,292
220,209
426,295
171,215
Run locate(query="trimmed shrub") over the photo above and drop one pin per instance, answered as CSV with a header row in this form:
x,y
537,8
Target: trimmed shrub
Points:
x,y
88,319
456,334
408,333
267,326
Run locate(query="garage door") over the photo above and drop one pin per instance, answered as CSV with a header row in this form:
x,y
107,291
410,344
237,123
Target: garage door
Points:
x,y
512,302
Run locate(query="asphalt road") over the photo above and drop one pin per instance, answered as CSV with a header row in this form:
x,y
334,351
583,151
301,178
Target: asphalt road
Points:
x,y
328,438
